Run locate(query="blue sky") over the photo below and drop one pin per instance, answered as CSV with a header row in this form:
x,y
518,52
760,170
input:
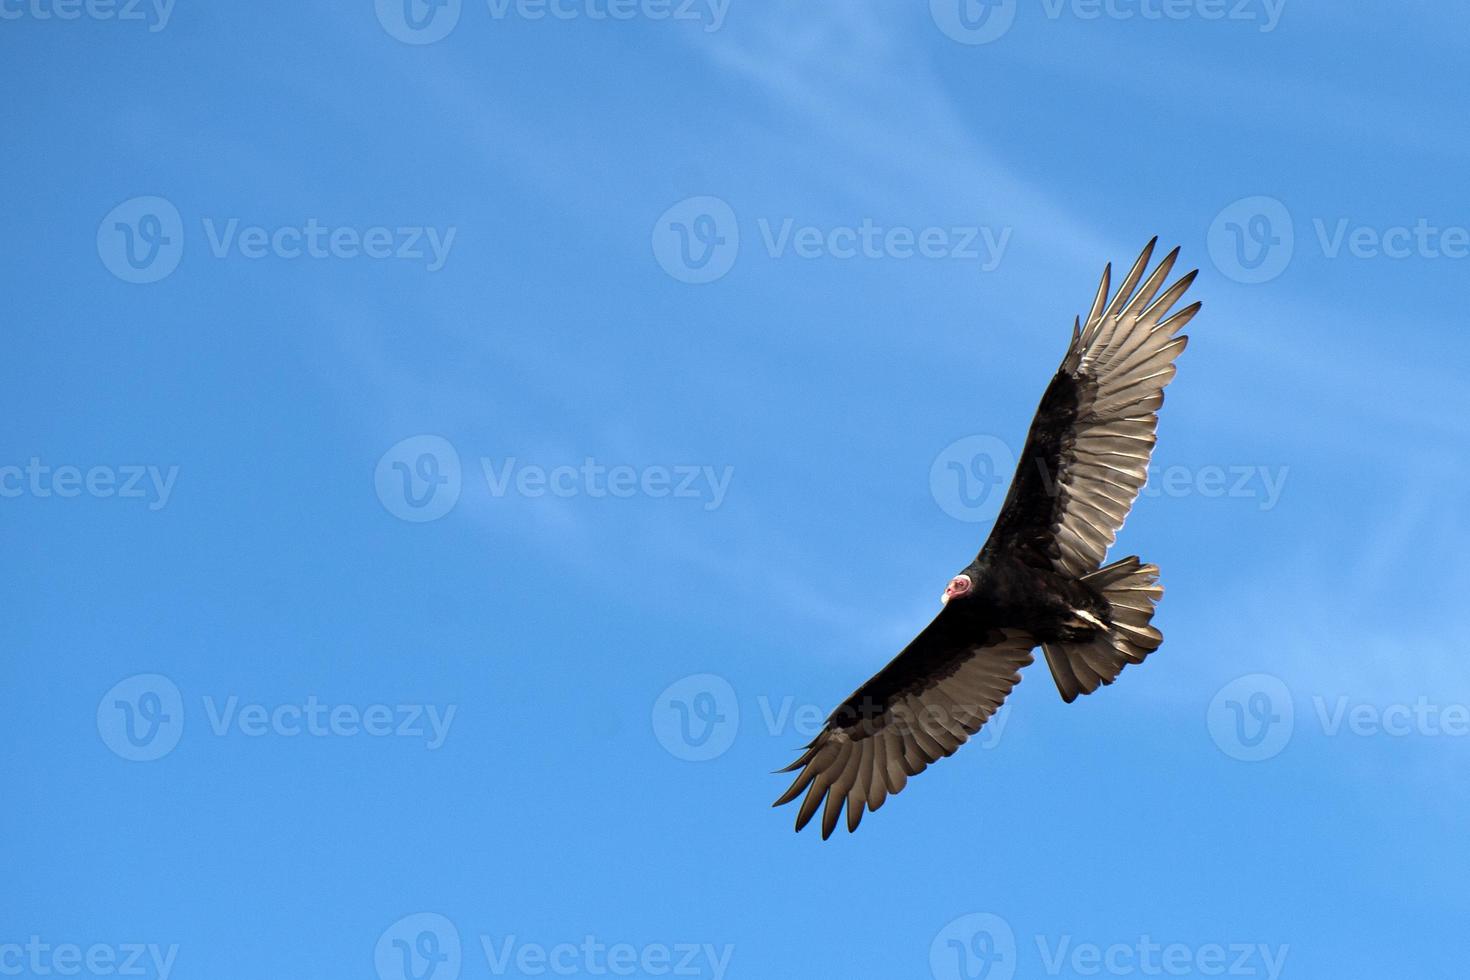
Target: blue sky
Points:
x,y
442,480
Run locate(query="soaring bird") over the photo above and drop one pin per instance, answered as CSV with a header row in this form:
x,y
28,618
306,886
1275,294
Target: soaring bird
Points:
x,y
1040,578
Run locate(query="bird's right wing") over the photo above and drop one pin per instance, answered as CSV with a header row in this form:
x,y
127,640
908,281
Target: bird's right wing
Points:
x,y
933,696
1086,456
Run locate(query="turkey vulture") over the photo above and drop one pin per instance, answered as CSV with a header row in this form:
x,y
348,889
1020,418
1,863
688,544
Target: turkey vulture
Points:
x,y
1040,579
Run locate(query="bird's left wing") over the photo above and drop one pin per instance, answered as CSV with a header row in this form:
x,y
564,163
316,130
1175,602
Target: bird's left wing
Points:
x,y
939,691
1086,457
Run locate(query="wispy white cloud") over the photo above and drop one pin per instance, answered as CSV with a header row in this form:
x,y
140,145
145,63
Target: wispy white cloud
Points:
x,y
1302,100
861,83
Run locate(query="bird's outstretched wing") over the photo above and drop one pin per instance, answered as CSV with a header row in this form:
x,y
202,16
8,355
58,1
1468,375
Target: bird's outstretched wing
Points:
x,y
939,691
1086,457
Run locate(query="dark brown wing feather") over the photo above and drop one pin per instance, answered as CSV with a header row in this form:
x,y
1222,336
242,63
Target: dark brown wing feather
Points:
x,y
939,691
1086,457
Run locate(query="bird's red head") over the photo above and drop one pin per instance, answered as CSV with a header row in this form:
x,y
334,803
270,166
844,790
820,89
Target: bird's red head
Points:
x,y
959,585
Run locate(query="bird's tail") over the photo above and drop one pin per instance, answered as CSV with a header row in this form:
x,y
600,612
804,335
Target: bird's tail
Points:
x,y
1131,589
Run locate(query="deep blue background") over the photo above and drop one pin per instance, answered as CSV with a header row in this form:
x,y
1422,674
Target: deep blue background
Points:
x,y
562,803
